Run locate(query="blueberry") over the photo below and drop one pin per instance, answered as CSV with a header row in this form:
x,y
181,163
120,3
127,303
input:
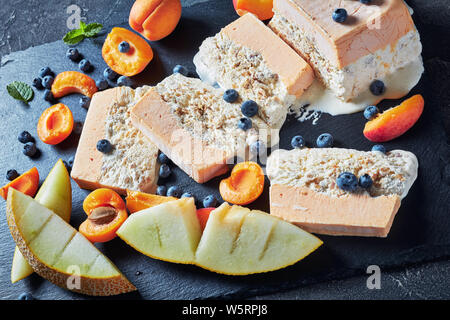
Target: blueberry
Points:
x,y
174,191
124,47
297,142
11,174
365,1
47,82
37,83
71,161
371,112
25,137
365,181
340,15
245,124
77,127
104,146
377,87
347,181
85,102
73,54
48,95
230,95
102,84
67,165
249,108
162,158
325,140
124,81
110,74
210,201
45,71
164,171
161,191
26,296
85,65
256,147
186,195
181,69
379,147
29,149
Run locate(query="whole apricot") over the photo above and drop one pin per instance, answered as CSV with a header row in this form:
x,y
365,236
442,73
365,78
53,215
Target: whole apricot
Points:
x,y
261,8
155,19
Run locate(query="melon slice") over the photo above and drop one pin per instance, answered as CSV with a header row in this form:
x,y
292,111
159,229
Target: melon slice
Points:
x,y
169,231
237,241
56,195
55,250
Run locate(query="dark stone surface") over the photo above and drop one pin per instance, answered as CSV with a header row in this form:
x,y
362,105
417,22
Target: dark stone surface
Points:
x,y
420,231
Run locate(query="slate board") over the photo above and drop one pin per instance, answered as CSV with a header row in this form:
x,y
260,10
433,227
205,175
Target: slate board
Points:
x,y
420,230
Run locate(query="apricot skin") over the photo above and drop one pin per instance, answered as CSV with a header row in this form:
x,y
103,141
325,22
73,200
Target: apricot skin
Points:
x,y
396,121
261,8
155,19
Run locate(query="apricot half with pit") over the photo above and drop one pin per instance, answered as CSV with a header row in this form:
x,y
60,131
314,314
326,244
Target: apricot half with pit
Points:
x,y
131,62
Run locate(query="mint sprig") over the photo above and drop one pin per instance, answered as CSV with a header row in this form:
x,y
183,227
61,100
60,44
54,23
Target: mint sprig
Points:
x,y
20,91
84,31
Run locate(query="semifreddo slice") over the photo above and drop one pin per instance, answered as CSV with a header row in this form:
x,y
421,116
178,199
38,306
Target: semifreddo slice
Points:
x,y
56,251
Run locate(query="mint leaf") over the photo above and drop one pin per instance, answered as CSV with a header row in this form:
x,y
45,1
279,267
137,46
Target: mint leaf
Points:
x,y
73,37
85,31
20,91
82,26
92,29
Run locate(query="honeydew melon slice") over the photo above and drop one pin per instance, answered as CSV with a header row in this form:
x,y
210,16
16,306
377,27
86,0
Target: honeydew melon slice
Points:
x,y
33,227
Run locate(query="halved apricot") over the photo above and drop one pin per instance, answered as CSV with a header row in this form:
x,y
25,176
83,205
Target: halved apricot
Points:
x,y
132,62
245,184
106,213
395,121
137,201
68,82
55,124
27,183
155,19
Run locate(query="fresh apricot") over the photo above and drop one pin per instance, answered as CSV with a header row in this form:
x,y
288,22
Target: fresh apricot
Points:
x,y
245,184
261,8
68,82
27,183
137,201
394,122
55,124
106,212
203,216
138,55
155,19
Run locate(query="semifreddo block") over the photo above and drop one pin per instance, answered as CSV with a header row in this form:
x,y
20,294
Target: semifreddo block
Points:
x,y
132,164
304,191
375,40
248,57
190,122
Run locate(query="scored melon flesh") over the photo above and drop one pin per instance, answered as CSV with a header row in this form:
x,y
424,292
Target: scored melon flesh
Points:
x,y
51,246
169,231
79,252
52,240
238,242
